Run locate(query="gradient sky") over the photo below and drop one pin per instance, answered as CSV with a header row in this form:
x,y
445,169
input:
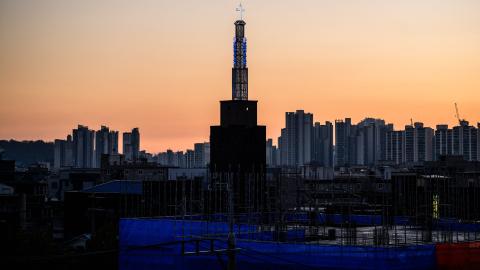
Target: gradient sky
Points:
x,y
163,66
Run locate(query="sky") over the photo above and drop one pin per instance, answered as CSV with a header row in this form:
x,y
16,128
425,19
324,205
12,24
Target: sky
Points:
x,y
163,65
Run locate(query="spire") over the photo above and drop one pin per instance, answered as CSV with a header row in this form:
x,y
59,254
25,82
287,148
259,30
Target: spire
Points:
x,y
240,70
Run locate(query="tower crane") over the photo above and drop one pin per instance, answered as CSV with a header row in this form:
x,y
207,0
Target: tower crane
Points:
x,y
457,115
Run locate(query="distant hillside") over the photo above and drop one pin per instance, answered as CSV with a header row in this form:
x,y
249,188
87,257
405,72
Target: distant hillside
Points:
x,y
27,152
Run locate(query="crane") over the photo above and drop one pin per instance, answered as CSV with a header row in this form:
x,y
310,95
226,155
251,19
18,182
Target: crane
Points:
x,y
457,115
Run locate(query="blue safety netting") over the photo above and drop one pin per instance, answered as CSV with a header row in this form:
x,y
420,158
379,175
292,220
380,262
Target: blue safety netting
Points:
x,y
293,235
175,244
451,224
147,232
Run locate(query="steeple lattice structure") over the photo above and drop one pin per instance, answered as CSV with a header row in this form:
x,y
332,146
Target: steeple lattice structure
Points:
x,y
240,70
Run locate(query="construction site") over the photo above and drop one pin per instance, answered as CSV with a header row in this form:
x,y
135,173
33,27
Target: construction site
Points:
x,y
424,219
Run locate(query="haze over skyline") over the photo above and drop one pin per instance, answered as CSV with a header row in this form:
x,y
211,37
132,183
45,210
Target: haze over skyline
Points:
x,y
163,66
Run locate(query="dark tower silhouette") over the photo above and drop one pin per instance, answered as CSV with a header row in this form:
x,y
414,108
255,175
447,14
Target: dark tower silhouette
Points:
x,y
237,151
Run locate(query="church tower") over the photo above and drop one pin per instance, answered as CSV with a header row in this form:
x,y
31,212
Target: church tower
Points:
x,y
237,145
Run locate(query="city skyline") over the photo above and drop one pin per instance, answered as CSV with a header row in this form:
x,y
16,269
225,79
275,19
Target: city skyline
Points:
x,y
315,128
374,161
350,60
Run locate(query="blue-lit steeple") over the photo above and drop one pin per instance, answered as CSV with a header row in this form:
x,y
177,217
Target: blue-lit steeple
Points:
x,y
240,70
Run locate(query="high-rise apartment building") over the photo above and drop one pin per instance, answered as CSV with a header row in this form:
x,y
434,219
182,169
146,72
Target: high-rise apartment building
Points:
x,y
408,144
443,141
190,158
282,148
363,144
415,144
423,144
269,153
322,142
135,142
461,140
106,142
201,154
418,144
394,146
131,145
63,153
370,141
345,142
179,159
83,146
296,138
127,147
465,141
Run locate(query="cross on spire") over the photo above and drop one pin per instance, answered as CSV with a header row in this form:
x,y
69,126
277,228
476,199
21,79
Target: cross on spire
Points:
x,y
240,10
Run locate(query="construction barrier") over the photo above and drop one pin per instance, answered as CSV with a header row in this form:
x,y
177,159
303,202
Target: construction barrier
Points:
x,y
458,256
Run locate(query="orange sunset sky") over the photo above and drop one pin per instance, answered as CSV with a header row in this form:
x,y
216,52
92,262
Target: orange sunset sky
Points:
x,y
163,66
